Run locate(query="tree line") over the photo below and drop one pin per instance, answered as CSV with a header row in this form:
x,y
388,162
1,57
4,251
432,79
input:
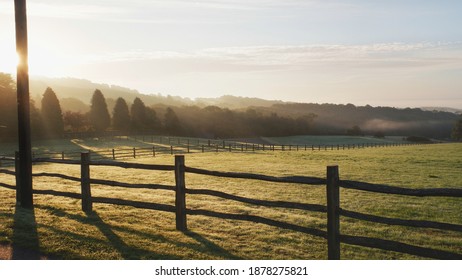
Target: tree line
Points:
x,y
49,120
212,122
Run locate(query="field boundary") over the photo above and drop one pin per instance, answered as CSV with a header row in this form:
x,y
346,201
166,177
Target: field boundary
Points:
x,y
332,183
151,146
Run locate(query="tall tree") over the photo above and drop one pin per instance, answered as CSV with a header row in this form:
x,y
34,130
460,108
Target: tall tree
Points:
x,y
138,112
52,116
153,121
121,116
171,122
457,130
100,119
8,107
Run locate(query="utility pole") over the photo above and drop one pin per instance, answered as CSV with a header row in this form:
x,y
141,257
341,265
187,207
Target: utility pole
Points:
x,y
24,135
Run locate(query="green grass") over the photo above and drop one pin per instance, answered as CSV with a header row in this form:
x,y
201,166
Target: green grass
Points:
x,y
58,227
332,140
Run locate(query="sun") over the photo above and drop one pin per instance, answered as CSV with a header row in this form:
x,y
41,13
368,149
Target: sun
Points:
x,y
9,62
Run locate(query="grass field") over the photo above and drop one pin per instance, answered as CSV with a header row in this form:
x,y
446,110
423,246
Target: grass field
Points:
x,y
127,142
59,228
332,140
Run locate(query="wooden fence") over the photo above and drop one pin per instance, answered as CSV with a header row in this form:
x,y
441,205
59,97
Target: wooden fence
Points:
x,y
175,146
332,208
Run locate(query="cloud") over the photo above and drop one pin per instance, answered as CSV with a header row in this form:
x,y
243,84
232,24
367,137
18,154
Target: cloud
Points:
x,y
379,56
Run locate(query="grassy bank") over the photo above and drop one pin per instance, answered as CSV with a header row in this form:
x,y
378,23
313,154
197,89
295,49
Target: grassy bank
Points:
x,y
57,226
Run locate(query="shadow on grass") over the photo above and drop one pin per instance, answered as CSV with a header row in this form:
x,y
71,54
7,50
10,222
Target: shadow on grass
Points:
x,y
208,246
126,251
114,235
25,237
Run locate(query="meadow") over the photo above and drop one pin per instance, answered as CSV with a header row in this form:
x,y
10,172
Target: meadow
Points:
x,y
58,228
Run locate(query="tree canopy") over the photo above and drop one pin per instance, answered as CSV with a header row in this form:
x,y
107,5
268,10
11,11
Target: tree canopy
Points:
x,y
100,120
457,130
121,116
52,115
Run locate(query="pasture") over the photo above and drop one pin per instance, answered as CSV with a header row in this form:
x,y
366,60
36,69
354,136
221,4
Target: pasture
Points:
x,y
58,228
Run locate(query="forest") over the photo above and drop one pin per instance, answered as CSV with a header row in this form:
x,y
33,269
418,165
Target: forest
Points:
x,y
80,107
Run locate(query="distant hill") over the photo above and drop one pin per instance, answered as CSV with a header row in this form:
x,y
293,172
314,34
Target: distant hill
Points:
x,y
73,90
335,119
443,109
435,122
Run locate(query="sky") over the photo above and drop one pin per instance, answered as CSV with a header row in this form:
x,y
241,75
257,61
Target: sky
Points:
x,y
400,53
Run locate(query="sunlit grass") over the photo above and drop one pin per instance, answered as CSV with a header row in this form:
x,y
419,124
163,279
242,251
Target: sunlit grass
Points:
x,y
122,232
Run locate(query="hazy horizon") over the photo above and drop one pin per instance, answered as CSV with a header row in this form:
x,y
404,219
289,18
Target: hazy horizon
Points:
x,y
382,53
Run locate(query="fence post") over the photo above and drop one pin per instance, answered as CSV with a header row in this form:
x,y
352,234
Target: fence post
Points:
x,y
134,152
180,193
333,219
153,151
85,182
113,154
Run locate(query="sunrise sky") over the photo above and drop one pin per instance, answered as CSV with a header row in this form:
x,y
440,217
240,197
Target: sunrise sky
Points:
x,y
393,53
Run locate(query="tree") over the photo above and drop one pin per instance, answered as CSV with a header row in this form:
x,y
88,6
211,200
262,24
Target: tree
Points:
x,y
52,116
121,115
153,121
138,113
100,119
171,122
457,130
355,131
75,121
8,107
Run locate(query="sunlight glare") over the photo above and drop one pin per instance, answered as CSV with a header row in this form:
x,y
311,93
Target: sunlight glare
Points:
x,y
8,63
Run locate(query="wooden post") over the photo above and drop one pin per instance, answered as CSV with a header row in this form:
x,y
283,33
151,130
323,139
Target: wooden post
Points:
x,y
134,152
62,155
180,193
113,154
23,105
85,182
153,151
333,219
171,149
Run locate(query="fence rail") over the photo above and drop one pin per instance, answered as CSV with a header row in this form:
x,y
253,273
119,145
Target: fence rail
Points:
x,y
332,207
172,146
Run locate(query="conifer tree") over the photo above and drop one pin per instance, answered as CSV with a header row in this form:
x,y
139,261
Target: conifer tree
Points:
x,y
171,122
100,119
121,115
138,113
52,116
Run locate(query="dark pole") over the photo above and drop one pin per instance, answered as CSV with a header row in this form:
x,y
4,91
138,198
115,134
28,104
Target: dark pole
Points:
x,y
25,154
